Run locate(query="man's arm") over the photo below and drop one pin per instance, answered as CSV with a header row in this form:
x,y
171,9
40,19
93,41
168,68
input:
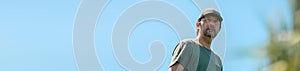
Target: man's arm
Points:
x,y
176,67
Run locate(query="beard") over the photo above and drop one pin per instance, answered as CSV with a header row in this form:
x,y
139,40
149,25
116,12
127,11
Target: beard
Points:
x,y
209,33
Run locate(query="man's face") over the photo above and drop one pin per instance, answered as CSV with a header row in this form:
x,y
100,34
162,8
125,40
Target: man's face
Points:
x,y
210,26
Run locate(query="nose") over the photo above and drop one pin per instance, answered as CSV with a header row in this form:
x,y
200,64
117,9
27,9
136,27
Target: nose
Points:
x,y
211,26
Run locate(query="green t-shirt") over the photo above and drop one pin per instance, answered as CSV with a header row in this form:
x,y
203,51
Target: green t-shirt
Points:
x,y
195,57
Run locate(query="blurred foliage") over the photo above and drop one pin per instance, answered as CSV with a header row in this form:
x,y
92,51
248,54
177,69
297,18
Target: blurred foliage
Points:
x,y
284,51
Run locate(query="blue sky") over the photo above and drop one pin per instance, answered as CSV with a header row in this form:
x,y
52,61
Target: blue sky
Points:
x,y
37,35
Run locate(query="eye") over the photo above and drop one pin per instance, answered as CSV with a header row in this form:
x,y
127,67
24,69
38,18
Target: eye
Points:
x,y
209,20
215,21
204,19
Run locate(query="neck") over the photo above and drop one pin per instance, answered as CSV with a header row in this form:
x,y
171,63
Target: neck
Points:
x,y
205,41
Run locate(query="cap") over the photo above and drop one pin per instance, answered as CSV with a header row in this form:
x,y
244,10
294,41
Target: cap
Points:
x,y
210,11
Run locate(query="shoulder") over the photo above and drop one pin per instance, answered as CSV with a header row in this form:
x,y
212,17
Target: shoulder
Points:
x,y
188,45
218,58
185,45
188,42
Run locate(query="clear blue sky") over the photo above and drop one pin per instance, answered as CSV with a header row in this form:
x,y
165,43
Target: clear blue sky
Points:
x,y
36,35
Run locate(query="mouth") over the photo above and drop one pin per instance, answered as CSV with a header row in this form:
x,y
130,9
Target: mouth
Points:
x,y
210,32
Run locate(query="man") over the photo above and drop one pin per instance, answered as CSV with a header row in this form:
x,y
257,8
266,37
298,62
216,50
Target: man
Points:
x,y
196,55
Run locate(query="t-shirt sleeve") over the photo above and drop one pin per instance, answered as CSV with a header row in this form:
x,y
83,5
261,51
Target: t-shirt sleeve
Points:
x,y
181,54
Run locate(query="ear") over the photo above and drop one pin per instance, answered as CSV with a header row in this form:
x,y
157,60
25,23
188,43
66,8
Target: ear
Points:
x,y
198,25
